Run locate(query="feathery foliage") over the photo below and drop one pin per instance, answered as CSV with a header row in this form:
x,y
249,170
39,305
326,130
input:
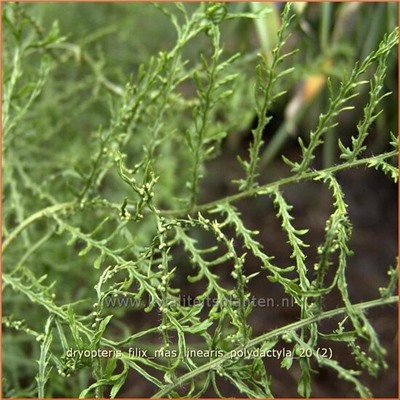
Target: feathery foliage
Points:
x,y
107,225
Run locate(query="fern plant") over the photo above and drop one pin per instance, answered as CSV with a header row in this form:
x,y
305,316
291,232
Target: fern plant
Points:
x,y
121,275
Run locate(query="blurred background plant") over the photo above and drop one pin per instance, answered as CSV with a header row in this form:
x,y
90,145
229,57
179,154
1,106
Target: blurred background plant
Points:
x,y
114,112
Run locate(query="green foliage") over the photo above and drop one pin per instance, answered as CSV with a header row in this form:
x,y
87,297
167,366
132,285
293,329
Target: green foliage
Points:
x,y
267,77
104,198
337,104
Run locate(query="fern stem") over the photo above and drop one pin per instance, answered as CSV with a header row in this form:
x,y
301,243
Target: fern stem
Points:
x,y
38,215
270,187
270,335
